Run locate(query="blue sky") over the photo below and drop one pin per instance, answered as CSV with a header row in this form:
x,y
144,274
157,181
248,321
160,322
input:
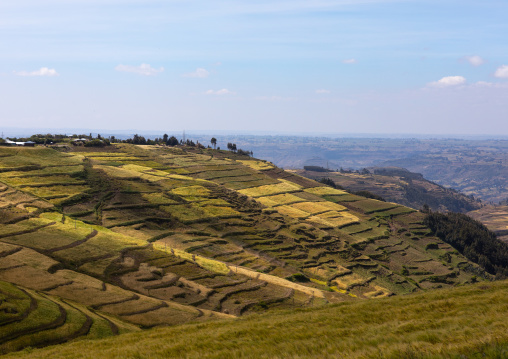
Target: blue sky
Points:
x,y
370,66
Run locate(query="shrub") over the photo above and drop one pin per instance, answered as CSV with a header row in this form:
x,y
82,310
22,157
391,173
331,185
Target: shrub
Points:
x,y
97,143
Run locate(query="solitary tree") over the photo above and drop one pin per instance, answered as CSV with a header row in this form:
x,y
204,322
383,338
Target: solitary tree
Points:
x,y
214,142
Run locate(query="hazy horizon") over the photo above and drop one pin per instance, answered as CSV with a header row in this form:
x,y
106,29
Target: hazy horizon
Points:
x,y
126,133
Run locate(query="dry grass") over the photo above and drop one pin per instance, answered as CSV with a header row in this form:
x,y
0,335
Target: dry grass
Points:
x,y
262,191
25,156
99,154
346,281
285,198
277,281
292,212
257,165
209,264
320,191
74,168
464,322
30,258
318,207
372,205
35,180
185,212
215,202
216,211
157,198
198,191
334,219
59,190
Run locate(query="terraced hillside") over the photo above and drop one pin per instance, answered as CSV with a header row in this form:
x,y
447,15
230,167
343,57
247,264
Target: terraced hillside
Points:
x,y
153,236
400,186
495,218
30,318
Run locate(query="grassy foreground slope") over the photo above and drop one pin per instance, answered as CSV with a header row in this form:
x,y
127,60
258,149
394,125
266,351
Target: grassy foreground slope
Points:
x,y
463,322
32,319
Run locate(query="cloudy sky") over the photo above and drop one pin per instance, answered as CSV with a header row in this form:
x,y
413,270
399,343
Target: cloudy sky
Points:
x,y
343,66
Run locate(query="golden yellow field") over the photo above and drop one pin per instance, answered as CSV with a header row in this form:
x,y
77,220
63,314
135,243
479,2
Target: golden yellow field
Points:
x,y
324,191
285,198
262,191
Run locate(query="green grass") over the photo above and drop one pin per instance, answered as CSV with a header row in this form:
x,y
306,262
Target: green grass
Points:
x,y
464,322
46,312
32,330
209,175
13,302
49,192
343,198
185,212
39,156
74,321
39,180
217,211
371,206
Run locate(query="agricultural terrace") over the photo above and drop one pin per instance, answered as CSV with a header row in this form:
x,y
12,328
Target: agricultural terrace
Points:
x,y
43,172
33,319
467,321
155,236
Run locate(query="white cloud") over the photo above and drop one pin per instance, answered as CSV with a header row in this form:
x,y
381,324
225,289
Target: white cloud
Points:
x,y
502,72
199,73
43,71
219,92
475,60
349,61
323,91
449,81
143,69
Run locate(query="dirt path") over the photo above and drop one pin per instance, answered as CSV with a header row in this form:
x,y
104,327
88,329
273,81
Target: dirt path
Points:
x,y
26,231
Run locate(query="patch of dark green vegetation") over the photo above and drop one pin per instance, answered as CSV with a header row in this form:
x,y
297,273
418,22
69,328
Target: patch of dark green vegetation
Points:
x,y
370,195
472,239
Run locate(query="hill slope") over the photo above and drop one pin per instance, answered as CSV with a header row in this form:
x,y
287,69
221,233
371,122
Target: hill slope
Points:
x,y
464,322
400,186
163,236
495,218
